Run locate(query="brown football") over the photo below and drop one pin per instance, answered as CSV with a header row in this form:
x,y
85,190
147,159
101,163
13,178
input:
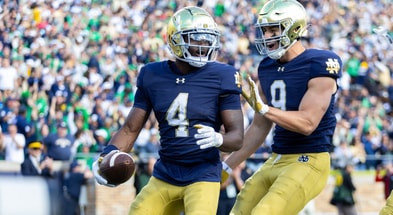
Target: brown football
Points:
x,y
117,167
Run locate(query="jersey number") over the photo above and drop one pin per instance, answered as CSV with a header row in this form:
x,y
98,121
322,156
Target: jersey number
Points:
x,y
279,94
177,115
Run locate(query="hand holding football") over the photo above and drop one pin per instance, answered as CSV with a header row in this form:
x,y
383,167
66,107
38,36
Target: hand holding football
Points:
x,y
117,167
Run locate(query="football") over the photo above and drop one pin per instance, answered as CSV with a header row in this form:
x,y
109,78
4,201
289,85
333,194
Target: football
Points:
x,y
117,167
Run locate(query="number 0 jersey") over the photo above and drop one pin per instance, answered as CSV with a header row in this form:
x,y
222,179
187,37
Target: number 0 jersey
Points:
x,y
179,102
285,85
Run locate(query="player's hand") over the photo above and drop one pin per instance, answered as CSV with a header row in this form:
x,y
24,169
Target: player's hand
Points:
x,y
96,171
253,99
226,172
208,137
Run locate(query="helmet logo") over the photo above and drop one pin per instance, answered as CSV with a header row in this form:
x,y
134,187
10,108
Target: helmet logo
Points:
x,y
263,20
193,37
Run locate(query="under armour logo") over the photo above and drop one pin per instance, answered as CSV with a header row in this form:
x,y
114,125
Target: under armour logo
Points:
x,y
280,69
303,158
180,80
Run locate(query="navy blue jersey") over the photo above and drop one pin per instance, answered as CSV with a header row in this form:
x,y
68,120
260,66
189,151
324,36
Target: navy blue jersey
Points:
x,y
179,102
59,148
285,85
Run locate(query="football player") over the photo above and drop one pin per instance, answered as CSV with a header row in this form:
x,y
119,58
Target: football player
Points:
x,y
192,98
296,93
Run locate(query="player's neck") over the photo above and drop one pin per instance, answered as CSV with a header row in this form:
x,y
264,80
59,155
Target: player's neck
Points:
x,y
184,68
293,52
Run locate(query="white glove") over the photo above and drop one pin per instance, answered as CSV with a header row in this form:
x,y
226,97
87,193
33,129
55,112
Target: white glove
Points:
x,y
96,171
254,99
208,137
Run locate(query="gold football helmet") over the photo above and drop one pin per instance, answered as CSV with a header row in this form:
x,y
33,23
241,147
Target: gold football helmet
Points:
x,y
193,28
291,19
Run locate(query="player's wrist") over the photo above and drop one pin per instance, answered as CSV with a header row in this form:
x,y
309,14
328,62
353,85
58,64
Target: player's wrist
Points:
x,y
226,168
108,149
219,139
264,109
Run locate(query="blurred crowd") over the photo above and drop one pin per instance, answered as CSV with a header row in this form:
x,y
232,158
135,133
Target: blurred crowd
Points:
x,y
68,70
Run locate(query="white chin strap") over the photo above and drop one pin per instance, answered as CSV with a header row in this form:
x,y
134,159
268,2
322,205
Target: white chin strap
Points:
x,y
197,61
197,64
277,54
194,61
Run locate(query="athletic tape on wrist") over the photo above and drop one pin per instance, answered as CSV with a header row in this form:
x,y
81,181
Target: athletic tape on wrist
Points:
x,y
226,168
108,149
265,109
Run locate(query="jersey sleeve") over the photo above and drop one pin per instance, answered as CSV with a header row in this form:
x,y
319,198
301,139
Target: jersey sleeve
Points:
x,y
230,80
326,64
231,89
141,97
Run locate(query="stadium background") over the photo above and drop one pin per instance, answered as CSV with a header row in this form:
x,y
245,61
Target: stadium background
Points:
x,y
117,37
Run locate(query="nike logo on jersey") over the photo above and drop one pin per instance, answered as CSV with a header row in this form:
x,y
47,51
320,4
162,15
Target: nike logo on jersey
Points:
x,y
332,66
280,69
180,80
303,158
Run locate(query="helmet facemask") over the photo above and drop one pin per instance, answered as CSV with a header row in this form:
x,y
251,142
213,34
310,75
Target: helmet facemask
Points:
x,y
193,36
198,46
288,18
284,42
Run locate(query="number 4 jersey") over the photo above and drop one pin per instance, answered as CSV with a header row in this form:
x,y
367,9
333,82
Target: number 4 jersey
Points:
x,y
179,102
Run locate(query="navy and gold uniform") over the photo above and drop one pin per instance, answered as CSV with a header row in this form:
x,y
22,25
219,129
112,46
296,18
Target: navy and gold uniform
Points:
x,y
177,107
181,102
299,166
297,94
287,84
196,102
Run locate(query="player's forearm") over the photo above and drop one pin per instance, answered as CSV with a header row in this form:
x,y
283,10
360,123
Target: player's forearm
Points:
x,y
234,130
249,147
123,140
233,140
295,121
253,139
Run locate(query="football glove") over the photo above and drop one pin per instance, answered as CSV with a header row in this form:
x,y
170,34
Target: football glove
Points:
x,y
226,172
208,137
96,165
253,99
